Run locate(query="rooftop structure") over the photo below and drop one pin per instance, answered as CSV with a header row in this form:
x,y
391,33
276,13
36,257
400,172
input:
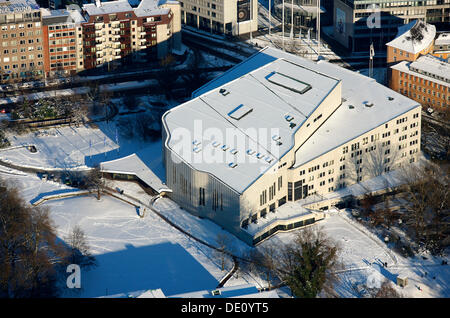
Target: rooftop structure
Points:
x,y
414,37
442,39
432,66
107,7
9,6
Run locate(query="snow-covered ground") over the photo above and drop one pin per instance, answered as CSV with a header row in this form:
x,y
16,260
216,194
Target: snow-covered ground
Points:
x,y
147,253
363,253
134,253
70,147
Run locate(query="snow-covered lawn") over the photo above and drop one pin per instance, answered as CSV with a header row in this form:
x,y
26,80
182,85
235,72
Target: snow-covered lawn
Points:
x,y
363,253
133,253
72,147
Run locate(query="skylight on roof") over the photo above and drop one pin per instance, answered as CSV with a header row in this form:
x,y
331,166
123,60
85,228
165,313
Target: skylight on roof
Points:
x,y
288,82
240,111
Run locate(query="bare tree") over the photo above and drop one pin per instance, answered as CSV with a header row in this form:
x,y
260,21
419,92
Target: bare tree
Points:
x,y
30,255
79,249
264,259
94,181
223,242
387,291
427,189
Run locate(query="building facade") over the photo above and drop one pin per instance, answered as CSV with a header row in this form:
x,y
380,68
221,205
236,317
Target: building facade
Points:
x,y
231,17
61,34
38,42
358,23
22,49
278,129
425,80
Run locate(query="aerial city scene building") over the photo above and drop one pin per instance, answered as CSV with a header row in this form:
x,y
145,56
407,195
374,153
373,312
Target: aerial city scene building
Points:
x,y
217,149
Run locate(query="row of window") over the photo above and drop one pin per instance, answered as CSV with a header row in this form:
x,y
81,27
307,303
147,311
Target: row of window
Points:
x,y
20,26
425,82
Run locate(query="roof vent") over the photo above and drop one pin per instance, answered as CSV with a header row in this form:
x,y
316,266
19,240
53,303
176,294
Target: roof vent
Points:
x,y
351,106
240,111
232,164
234,151
259,155
369,104
276,137
390,98
215,292
269,160
250,152
197,149
288,117
288,82
225,147
196,142
215,144
224,92
292,125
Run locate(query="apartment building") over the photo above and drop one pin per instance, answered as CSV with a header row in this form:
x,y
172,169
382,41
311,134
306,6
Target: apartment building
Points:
x,y
62,34
21,52
38,42
114,31
278,128
231,17
426,80
358,23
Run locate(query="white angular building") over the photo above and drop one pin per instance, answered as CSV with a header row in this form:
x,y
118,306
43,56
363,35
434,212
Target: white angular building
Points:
x,y
278,128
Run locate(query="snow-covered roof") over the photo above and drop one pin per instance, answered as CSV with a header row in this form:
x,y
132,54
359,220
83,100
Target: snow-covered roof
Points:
x,y
150,7
239,291
61,16
428,67
107,7
152,293
288,211
343,125
432,66
133,165
414,37
442,39
18,5
347,123
256,115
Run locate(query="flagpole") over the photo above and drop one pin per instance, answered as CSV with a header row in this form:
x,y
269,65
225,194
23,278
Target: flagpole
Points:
x,y
251,21
270,23
292,19
282,26
318,28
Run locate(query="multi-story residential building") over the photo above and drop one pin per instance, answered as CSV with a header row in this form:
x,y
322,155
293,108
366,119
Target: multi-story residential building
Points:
x,y
114,30
231,17
62,41
358,23
426,80
21,51
37,42
278,128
